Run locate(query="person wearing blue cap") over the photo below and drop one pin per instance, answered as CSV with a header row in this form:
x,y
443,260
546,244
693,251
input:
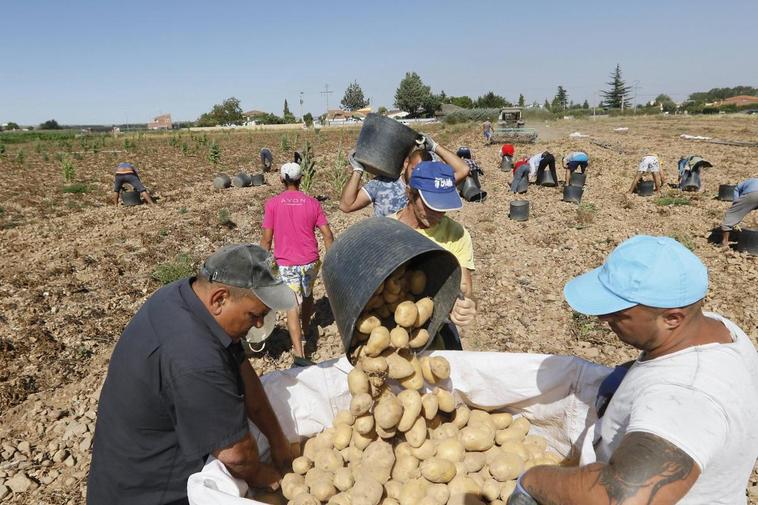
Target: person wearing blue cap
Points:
x,y
126,173
681,426
388,195
431,194
575,160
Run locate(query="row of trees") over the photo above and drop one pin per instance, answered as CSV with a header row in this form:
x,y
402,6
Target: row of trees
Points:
x,y
50,124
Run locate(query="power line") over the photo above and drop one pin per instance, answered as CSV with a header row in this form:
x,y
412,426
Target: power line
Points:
x,y
326,93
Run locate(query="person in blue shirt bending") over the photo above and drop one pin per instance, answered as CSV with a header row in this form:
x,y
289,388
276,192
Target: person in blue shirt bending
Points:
x,y
745,201
577,159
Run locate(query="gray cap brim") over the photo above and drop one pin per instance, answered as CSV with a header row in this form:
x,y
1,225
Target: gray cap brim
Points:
x,y
276,297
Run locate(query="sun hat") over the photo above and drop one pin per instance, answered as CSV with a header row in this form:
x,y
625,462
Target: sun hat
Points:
x,y
291,172
435,182
643,270
249,266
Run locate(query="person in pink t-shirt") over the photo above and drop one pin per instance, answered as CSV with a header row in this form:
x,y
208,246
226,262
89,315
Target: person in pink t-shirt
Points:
x,y
290,220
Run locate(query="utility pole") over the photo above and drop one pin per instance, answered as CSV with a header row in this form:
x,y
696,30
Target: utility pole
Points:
x,y
301,106
326,93
635,85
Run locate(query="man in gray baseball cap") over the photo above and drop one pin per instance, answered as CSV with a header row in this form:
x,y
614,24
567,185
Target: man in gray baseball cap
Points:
x,y
179,388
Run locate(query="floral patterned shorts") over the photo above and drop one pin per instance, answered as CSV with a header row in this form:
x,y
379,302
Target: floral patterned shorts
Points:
x,y
300,278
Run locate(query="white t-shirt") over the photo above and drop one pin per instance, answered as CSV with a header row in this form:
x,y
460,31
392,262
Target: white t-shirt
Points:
x,y
534,163
650,164
704,400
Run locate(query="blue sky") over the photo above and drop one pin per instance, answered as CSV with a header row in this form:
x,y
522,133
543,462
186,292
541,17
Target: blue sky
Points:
x,y
112,62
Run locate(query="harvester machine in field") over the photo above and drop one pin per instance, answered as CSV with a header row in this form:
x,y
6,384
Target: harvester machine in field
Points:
x,y
510,128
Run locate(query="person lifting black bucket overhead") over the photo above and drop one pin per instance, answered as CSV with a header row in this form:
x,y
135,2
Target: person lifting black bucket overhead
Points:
x,y
389,150
127,173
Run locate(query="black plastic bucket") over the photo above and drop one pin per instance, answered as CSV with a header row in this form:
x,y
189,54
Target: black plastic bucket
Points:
x,y
726,192
519,210
222,181
471,191
572,194
747,241
242,180
690,181
383,145
130,198
506,164
546,179
257,180
645,188
365,254
577,179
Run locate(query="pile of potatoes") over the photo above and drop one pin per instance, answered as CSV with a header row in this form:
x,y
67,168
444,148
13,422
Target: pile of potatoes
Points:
x,y
415,447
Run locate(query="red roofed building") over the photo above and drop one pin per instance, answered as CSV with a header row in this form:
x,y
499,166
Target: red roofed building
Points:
x,y
162,122
740,100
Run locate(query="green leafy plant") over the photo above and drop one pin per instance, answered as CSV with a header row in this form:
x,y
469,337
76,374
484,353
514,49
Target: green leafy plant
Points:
x,y
182,210
585,214
308,165
684,239
69,171
171,271
185,149
2,149
214,153
20,157
77,187
225,218
285,141
339,173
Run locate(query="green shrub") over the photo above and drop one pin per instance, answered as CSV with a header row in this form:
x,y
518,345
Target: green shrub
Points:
x,y
339,173
308,165
171,271
285,141
214,153
69,171
20,157
585,214
2,149
684,239
468,115
77,187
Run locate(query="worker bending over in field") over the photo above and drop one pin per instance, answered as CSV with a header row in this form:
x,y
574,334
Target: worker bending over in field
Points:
x,y
681,426
537,165
290,219
267,159
431,193
745,201
126,173
649,164
389,195
487,131
520,182
577,159
179,388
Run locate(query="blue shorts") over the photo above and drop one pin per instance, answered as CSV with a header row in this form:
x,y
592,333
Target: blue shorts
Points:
x,y
573,165
130,179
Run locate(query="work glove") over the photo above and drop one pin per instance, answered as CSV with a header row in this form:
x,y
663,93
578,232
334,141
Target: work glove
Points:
x,y
464,311
520,496
427,143
357,167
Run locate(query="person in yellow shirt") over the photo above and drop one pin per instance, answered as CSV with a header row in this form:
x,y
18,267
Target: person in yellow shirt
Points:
x,y
431,193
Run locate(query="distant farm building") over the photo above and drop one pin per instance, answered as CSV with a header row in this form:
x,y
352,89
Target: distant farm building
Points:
x,y
162,122
250,116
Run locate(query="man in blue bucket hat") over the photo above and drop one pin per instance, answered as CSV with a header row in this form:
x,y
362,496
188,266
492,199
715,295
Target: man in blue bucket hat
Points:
x,y
431,194
681,426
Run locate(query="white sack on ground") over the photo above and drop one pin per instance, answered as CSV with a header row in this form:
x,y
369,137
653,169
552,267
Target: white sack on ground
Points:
x,y
556,393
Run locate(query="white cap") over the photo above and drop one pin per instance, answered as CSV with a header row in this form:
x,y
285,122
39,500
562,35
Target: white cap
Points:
x,y
291,171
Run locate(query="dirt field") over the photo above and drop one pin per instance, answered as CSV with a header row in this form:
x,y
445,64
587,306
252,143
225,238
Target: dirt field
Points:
x,y
76,268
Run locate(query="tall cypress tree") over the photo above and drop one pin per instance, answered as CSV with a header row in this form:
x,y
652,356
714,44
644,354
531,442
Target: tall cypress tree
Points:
x,y
618,96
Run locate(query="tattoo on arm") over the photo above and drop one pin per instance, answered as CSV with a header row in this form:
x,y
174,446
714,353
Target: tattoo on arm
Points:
x,y
645,463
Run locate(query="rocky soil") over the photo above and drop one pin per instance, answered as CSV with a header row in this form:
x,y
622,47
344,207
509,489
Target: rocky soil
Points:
x,y
76,269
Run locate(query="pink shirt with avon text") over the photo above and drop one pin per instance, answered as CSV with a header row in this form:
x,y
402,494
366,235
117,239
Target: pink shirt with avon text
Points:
x,y
294,217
